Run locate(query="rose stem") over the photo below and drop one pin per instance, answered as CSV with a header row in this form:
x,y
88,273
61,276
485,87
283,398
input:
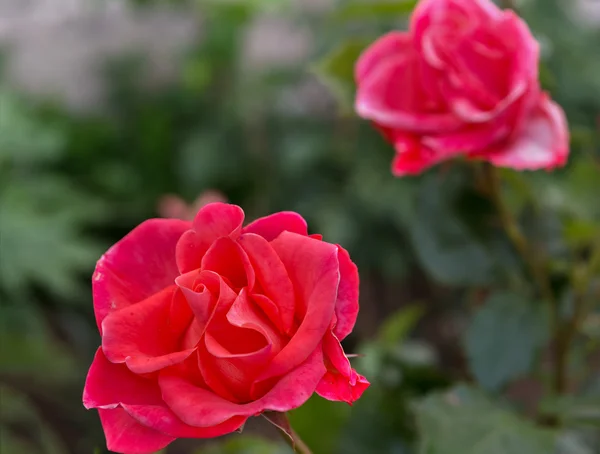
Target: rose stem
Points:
x,y
295,441
559,378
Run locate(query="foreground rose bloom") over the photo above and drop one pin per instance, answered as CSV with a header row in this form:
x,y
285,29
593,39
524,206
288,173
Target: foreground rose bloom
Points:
x,y
207,323
462,81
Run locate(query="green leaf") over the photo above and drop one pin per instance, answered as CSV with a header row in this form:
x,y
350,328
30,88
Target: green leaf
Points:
x,y
397,326
246,444
503,338
578,442
574,410
366,9
319,423
443,243
336,71
23,140
464,421
41,224
578,232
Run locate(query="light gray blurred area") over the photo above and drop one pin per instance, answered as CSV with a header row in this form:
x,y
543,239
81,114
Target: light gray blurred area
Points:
x,y
57,49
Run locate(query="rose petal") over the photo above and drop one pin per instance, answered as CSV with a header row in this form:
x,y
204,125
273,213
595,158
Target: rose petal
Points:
x,y
202,408
341,382
136,267
139,335
269,227
313,268
226,258
273,278
107,385
202,292
543,142
392,96
346,306
125,435
213,221
412,157
164,420
390,45
239,345
244,314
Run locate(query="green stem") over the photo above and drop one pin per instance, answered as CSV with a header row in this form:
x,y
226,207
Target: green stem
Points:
x,y
581,306
537,270
295,442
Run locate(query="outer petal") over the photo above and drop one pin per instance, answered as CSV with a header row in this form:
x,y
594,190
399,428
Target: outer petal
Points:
x,y
313,268
412,157
125,435
164,420
138,266
109,386
341,382
543,142
346,306
213,221
271,226
139,335
390,45
202,408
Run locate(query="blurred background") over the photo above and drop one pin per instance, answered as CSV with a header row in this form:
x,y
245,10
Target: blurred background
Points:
x,y
115,111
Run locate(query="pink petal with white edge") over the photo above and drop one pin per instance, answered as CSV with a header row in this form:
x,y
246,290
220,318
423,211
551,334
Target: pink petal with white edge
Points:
x,y
542,144
382,97
127,436
202,408
389,45
346,306
270,227
341,382
136,267
213,221
139,335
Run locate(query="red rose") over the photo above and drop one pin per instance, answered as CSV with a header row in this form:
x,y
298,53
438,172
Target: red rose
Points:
x,y
462,81
207,323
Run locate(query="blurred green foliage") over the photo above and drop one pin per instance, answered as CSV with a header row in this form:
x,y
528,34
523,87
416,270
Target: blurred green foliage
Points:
x,y
73,184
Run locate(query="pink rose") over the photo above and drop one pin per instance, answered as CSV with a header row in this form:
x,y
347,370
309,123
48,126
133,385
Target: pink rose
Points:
x,y
207,323
462,81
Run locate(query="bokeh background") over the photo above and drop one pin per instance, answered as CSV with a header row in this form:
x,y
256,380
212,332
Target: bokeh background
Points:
x,y
115,111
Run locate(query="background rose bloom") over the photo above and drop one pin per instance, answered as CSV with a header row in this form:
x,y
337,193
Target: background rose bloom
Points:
x,y
206,323
462,81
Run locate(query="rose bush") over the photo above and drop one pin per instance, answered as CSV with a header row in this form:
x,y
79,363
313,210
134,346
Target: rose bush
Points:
x,y
462,81
207,323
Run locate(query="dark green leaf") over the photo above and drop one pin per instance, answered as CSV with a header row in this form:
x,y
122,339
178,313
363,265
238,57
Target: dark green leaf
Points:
x,y
504,337
466,422
319,423
445,246
398,325
246,444
574,410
